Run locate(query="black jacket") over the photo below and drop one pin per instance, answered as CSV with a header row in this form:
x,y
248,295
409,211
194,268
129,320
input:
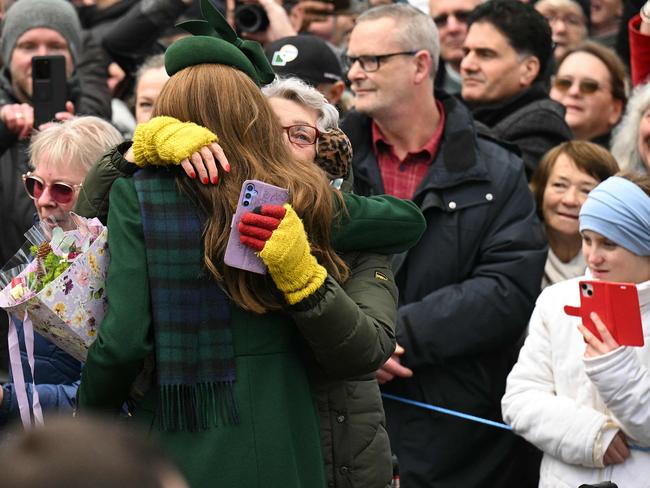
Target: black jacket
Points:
x,y
467,290
530,120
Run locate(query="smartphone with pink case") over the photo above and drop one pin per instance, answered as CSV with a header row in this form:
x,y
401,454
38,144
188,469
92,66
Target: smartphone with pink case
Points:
x,y
254,193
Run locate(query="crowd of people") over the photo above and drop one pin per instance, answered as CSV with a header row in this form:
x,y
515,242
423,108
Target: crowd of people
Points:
x,y
455,170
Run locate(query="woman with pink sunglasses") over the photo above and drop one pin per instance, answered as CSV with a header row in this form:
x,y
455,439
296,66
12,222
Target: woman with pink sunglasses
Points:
x,y
60,157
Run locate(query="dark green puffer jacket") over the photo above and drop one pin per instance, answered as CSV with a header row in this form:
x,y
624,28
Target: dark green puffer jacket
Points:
x,y
341,355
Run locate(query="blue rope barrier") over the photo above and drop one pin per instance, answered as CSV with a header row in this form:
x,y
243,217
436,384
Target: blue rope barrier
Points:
x,y
473,418
447,411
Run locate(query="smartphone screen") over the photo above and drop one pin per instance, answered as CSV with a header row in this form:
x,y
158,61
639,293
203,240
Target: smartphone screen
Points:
x,y
49,87
253,194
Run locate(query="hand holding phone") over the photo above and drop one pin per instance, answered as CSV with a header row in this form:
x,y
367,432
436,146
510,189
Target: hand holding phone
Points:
x,y
253,194
617,305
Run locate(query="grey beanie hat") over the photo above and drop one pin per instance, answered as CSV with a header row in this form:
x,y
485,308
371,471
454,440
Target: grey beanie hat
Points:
x,y
58,15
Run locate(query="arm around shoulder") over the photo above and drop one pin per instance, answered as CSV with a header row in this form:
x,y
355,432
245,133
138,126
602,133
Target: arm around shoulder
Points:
x,y
94,194
380,224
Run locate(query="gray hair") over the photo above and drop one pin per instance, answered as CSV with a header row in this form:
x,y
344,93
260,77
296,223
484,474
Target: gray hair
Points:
x,y
152,62
303,94
414,30
79,141
625,139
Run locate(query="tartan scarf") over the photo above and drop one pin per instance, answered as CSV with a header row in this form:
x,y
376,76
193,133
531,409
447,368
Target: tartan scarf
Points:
x,y
191,314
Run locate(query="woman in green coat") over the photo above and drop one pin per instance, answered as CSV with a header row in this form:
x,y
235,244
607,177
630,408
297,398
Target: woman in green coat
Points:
x,y
232,402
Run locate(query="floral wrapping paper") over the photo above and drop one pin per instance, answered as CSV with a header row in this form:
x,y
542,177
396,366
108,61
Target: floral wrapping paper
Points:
x,y
68,310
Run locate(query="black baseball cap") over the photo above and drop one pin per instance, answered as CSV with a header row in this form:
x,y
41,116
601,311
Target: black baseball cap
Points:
x,y
307,57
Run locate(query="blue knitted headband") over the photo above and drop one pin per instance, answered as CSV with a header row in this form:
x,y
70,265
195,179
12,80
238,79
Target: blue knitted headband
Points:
x,y
619,210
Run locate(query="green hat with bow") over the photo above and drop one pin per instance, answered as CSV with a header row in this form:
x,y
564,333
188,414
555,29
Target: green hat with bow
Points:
x,y
214,41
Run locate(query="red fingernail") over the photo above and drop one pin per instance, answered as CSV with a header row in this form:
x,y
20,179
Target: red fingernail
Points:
x,y
227,167
192,174
204,180
215,180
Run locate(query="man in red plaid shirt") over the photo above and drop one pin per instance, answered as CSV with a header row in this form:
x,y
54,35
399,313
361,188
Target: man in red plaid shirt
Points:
x,y
468,287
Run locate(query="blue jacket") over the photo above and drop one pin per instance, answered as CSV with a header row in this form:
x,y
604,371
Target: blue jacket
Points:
x,y
56,373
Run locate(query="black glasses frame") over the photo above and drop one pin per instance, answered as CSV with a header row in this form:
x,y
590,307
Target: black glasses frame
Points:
x,y
367,61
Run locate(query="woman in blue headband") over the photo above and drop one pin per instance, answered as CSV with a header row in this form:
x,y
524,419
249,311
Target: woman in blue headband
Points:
x,y
582,401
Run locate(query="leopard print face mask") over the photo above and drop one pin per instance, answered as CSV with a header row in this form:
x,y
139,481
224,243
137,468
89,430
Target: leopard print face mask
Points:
x,y
334,154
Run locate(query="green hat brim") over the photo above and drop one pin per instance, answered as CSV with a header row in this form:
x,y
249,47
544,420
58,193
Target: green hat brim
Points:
x,y
192,50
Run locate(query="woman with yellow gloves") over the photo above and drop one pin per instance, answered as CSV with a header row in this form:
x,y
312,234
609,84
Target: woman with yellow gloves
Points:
x,y
232,400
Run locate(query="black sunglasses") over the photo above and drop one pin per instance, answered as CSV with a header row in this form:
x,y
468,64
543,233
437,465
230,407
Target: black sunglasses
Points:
x,y
459,15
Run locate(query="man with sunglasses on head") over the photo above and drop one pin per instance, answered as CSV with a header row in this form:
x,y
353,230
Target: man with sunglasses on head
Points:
x,y
468,287
508,52
450,17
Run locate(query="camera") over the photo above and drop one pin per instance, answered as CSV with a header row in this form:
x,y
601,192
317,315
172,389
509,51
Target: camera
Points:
x,y
251,17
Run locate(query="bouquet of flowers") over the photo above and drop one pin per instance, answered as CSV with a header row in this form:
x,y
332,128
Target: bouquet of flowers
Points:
x,y
60,285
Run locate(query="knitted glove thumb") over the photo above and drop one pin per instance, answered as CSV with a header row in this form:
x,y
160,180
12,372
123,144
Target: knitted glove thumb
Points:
x,y
167,141
279,236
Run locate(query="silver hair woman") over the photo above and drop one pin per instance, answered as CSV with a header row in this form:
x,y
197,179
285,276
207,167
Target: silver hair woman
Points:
x,y
300,92
60,157
631,139
79,141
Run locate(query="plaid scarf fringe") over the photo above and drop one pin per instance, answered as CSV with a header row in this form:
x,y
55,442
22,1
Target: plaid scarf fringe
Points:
x,y
197,407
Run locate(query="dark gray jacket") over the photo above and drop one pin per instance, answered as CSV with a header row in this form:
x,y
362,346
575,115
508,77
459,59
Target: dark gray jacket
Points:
x,y
466,292
530,120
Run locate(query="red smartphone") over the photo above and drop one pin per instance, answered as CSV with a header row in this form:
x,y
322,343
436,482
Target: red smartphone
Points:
x,y
617,305
254,193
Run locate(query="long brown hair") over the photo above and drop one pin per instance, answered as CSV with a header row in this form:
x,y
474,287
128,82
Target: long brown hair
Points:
x,y
227,102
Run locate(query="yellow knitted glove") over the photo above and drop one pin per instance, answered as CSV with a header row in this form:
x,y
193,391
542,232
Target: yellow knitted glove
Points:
x,y
281,236
167,141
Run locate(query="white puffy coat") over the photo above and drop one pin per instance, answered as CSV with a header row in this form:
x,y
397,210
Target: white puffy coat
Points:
x,y
571,407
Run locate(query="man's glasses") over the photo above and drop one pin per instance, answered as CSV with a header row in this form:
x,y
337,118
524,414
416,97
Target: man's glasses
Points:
x,y
61,192
459,15
370,63
585,86
302,134
569,20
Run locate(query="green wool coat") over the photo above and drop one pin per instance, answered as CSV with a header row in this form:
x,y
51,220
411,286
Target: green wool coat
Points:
x,y
277,441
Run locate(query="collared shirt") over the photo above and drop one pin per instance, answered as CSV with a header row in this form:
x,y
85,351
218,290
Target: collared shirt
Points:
x,y
402,177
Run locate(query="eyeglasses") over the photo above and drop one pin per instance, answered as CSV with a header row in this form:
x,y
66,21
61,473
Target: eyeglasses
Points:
x,y
370,62
62,193
302,134
569,20
459,15
585,86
